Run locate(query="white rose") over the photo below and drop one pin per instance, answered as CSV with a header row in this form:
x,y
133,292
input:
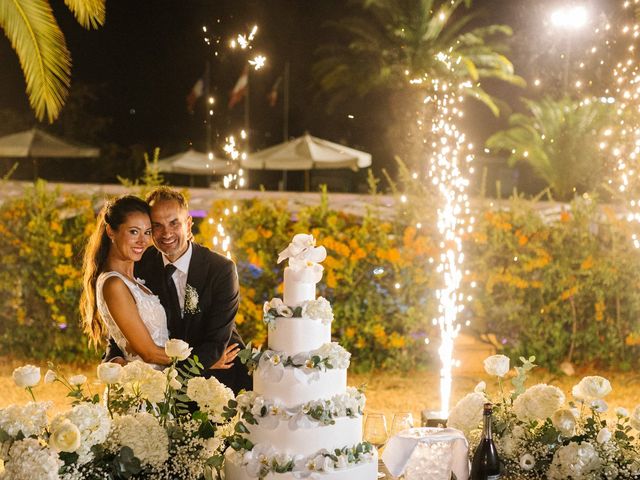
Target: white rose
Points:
x,y
622,412
481,387
590,388
604,435
178,349
599,405
65,437
497,365
527,461
635,418
50,377
27,376
564,420
109,372
78,380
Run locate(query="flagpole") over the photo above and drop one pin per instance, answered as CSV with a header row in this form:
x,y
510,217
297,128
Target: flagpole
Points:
x,y
285,116
247,110
207,93
285,103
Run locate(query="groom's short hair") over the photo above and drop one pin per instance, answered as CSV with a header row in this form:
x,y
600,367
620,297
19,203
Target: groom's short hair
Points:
x,y
164,193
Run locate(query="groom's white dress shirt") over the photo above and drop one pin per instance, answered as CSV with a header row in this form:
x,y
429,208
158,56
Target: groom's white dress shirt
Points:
x,y
179,277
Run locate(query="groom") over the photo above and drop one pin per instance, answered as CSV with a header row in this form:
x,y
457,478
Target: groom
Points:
x,y
197,287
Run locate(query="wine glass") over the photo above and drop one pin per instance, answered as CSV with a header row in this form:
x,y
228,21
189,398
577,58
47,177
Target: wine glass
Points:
x,y
401,421
375,429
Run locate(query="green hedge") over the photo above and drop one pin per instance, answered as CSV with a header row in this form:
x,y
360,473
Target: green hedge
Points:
x,y
564,288
43,233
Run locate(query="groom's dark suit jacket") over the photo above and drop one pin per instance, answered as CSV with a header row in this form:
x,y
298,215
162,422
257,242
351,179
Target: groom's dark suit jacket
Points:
x,y
212,328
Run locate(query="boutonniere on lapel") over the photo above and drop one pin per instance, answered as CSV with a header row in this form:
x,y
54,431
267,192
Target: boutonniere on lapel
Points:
x,y
191,300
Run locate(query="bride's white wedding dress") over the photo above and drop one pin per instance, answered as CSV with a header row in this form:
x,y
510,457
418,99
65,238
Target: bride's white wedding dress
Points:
x,y
150,310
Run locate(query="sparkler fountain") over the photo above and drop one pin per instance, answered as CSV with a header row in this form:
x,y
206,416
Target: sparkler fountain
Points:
x,y
449,159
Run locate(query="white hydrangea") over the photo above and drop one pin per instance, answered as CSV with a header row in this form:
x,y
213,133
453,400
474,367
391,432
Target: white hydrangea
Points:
x,y
565,421
144,435
29,460
634,419
591,388
467,413
575,460
318,309
511,441
337,355
94,424
30,419
141,379
538,402
210,395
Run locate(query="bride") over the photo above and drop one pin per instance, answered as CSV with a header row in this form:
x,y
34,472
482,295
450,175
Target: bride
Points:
x,y
114,303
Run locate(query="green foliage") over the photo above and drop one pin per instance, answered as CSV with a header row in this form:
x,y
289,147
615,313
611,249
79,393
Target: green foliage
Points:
x,y
43,234
559,139
40,45
562,289
150,179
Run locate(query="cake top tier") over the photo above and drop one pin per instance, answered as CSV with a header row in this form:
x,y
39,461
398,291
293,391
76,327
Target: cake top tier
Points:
x,y
304,269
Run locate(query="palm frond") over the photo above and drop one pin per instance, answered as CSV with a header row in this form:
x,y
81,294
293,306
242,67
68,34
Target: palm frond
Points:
x,y
88,13
45,61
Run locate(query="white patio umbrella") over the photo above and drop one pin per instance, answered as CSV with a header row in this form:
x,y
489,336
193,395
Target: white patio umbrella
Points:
x,y
35,143
307,153
192,162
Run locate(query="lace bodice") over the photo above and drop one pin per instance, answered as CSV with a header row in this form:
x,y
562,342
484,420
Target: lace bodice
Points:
x,y
150,310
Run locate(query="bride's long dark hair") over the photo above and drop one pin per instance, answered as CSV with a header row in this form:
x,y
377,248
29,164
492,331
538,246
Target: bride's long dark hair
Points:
x,y
114,213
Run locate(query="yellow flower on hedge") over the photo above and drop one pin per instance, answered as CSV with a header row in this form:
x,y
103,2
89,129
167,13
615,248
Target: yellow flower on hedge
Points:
x,y
358,254
55,226
379,334
587,263
632,340
249,236
331,279
350,332
600,307
67,250
396,340
409,236
569,293
361,343
265,233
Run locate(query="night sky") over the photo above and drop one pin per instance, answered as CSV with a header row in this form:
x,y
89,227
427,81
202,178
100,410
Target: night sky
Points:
x,y
142,64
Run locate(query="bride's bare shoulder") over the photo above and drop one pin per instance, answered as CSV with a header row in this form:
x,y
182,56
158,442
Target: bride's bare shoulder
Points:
x,y
115,289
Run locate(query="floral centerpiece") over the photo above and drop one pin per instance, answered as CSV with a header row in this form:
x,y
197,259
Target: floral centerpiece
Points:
x,y
147,424
540,434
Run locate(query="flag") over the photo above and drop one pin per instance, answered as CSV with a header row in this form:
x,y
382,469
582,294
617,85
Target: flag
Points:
x,y
240,88
272,96
196,92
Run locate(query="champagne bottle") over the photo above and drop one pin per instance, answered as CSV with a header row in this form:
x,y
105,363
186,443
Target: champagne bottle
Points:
x,y
486,463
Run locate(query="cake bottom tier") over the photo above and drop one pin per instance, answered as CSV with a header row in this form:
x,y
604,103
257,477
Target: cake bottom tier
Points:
x,y
362,471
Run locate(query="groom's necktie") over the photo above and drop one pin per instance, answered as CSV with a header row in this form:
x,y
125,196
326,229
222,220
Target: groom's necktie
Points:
x,y
174,315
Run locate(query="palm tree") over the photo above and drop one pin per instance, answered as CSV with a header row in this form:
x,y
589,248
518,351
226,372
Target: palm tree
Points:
x,y
41,48
560,140
398,40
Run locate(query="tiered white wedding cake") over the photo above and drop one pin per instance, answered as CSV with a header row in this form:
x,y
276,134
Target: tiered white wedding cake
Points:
x,y
301,420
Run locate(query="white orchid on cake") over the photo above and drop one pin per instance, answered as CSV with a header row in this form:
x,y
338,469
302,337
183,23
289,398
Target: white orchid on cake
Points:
x,y
541,435
303,248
